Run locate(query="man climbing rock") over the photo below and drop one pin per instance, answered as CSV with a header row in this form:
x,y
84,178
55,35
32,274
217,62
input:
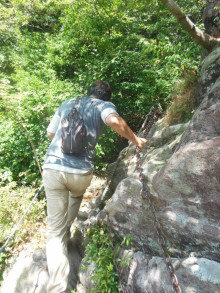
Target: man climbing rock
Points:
x,y
67,175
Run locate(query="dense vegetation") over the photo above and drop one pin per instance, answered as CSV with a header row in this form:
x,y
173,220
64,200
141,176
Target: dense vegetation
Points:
x,y
102,251
51,52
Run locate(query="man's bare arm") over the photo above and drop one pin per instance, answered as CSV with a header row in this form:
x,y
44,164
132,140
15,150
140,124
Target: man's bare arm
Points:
x,y
120,126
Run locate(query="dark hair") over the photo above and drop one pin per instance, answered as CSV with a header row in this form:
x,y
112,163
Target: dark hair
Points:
x,y
100,89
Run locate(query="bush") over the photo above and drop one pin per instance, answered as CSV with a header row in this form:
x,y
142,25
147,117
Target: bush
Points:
x,y
103,250
99,250
14,202
11,211
183,102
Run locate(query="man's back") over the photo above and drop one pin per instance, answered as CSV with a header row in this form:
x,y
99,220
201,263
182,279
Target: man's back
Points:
x,y
94,113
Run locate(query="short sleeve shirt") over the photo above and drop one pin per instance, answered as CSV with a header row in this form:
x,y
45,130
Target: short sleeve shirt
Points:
x,y
94,113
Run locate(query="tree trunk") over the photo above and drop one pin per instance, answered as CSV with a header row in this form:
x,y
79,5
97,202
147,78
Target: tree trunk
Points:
x,y
202,38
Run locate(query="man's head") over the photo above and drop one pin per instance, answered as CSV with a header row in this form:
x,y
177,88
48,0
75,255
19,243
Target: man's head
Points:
x,y
101,90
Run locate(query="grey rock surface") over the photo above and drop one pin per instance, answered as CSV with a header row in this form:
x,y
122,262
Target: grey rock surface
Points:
x,y
211,18
149,274
28,275
206,120
182,169
85,277
189,181
210,72
162,143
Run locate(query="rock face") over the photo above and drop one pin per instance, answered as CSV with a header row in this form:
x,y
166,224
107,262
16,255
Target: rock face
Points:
x,y
29,274
210,72
162,144
190,179
211,18
149,274
182,169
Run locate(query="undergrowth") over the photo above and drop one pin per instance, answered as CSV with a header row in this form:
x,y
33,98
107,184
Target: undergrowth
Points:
x,y
102,253
99,251
14,202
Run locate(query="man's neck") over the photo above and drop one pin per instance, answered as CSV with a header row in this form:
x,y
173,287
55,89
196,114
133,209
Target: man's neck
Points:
x,y
93,96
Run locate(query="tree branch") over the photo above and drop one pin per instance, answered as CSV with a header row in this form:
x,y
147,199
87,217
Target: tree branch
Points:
x,y
202,38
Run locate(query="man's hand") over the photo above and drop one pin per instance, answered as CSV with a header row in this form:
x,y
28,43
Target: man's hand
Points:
x,y
141,142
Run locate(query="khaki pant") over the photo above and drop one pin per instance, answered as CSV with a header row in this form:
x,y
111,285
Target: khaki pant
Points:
x,y
64,192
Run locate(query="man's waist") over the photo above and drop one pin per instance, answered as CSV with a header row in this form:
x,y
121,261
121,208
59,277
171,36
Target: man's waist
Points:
x,y
66,169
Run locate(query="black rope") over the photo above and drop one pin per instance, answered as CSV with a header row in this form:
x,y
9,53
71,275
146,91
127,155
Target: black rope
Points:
x,y
36,285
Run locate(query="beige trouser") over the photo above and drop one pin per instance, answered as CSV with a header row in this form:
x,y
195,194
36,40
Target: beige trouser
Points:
x,y
64,192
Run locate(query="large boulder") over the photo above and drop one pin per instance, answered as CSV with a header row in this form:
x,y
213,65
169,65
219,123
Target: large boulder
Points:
x,y
162,144
189,180
28,274
129,215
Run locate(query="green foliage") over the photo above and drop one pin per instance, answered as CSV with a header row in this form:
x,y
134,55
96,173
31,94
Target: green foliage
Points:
x,y
108,148
14,201
99,251
3,262
51,52
103,251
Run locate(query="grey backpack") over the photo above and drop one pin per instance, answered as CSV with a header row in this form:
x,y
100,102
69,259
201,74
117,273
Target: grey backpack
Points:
x,y
73,131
